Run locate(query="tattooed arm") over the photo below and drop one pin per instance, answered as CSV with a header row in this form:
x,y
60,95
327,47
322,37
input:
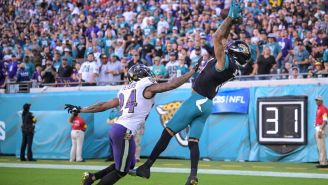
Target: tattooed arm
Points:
x,y
222,33
101,106
220,36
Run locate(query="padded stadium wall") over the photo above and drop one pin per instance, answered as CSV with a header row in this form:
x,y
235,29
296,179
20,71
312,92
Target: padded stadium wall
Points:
x,y
227,136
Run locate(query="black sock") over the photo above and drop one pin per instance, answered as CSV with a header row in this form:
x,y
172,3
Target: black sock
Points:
x,y
100,174
112,177
159,148
194,157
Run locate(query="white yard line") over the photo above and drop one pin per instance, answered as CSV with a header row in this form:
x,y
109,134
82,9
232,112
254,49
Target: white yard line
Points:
x,y
173,170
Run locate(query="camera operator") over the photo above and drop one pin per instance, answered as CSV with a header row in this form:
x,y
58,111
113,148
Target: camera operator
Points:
x,y
77,136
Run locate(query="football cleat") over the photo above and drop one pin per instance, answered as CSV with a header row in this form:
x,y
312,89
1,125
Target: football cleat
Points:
x,y
87,178
141,171
192,180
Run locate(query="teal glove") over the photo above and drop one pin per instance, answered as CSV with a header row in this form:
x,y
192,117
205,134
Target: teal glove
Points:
x,y
235,9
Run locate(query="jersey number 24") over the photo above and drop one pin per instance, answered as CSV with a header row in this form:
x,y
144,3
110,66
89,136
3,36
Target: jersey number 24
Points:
x,y
130,103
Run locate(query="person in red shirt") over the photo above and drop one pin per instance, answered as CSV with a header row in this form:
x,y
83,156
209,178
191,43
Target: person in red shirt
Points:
x,y
77,136
320,132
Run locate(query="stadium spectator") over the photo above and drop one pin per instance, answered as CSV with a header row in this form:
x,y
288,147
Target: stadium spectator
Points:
x,y
274,47
12,67
48,73
146,51
182,67
319,72
284,73
310,73
135,59
114,70
285,45
29,65
36,77
301,57
77,136
56,62
162,25
119,47
325,59
45,55
80,49
89,71
265,64
295,74
196,53
250,69
124,66
75,75
22,74
2,73
158,69
68,56
65,71
103,78
172,66
321,131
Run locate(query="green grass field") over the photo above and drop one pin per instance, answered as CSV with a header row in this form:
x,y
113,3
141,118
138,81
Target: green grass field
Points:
x,y
35,176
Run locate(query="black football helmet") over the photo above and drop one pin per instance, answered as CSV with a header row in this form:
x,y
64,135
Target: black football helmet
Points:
x,y
238,51
138,71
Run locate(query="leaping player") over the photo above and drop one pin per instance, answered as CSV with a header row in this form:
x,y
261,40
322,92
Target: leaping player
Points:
x,y
216,72
136,100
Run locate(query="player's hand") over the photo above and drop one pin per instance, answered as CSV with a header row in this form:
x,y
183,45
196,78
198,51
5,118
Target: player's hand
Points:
x,y
72,108
236,9
199,61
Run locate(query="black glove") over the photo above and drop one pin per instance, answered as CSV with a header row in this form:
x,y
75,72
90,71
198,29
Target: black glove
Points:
x,y
199,61
72,108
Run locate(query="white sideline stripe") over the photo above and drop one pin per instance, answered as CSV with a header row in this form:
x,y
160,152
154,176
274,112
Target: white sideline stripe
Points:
x,y
174,170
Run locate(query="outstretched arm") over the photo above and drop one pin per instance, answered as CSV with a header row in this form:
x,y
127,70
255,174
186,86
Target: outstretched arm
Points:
x,y
172,84
220,36
101,106
222,33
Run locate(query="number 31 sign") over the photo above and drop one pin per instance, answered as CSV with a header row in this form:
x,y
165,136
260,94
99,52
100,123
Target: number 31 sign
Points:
x,y
282,120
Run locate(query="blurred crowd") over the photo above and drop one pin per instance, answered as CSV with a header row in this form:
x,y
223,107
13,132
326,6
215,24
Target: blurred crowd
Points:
x,y
94,42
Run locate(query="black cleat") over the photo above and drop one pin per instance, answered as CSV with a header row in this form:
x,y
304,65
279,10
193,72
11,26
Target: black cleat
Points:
x,y
321,166
192,180
109,159
141,171
87,178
